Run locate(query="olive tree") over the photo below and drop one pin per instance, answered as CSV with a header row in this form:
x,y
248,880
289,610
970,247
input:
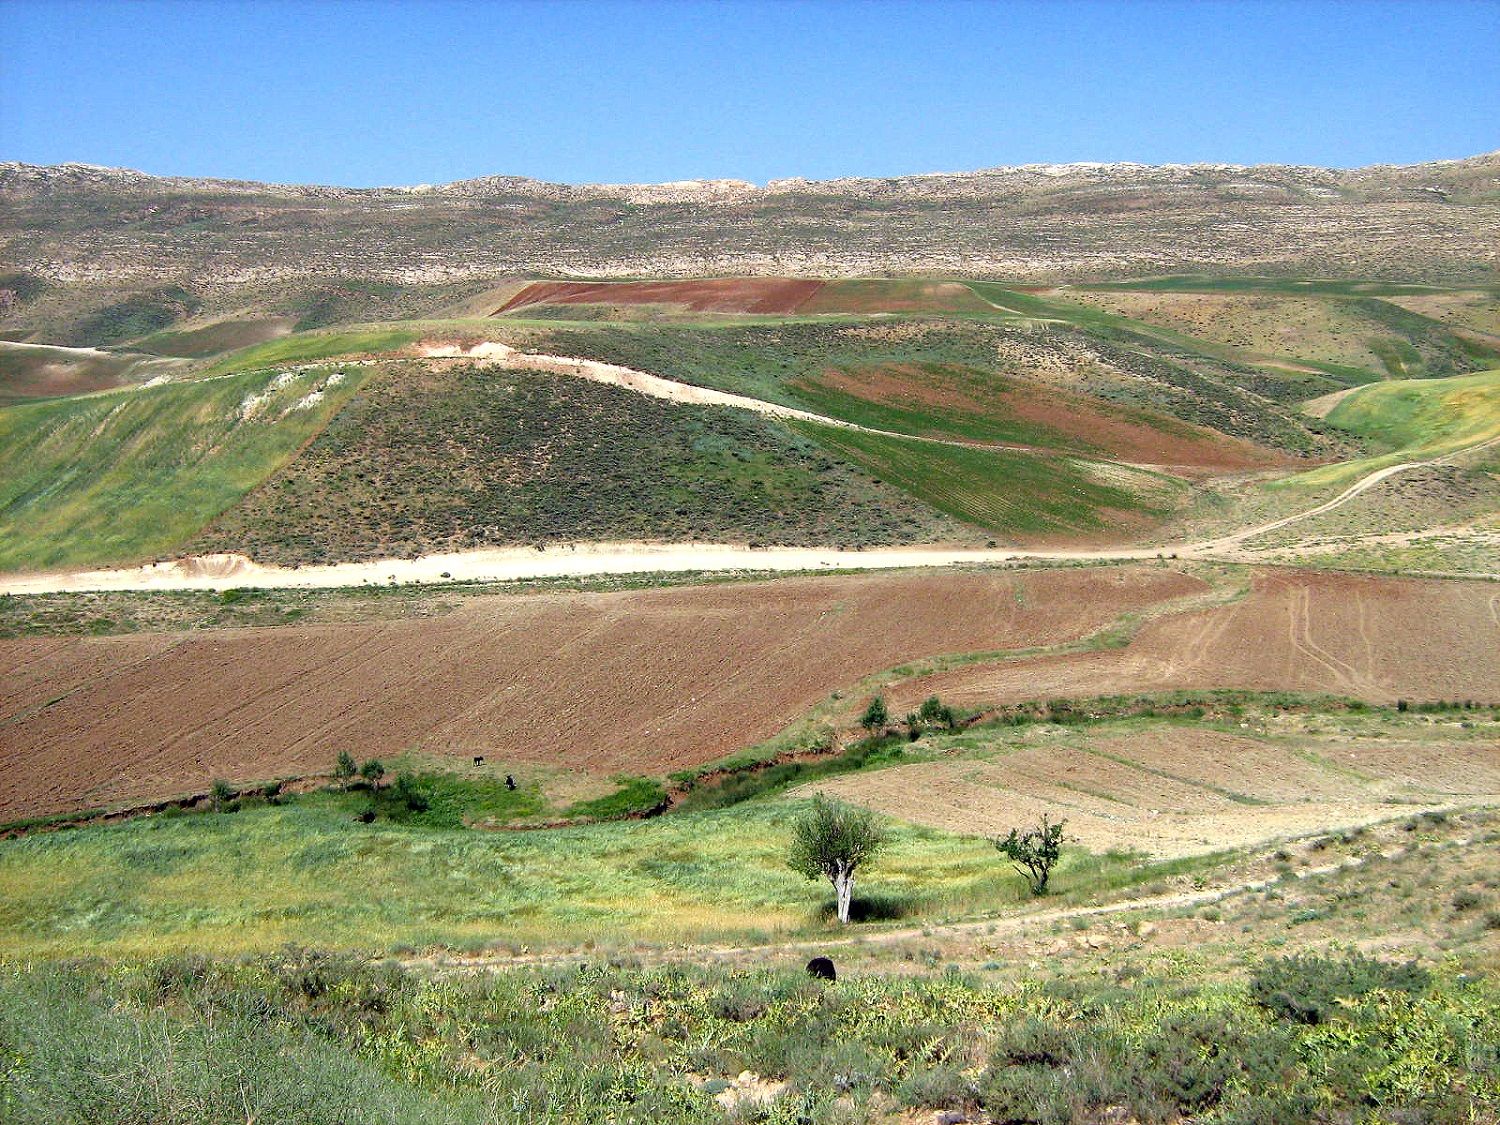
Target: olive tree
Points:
x,y
831,840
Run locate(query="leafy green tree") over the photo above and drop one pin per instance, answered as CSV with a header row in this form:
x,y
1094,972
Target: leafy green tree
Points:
x,y
1033,853
412,793
344,769
875,716
372,771
220,794
831,840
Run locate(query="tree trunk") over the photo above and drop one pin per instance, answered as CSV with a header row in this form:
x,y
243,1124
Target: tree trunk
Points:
x,y
843,888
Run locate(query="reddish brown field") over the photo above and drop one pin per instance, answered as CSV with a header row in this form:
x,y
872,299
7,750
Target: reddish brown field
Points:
x,y
649,681
1133,435
1379,639
876,296
644,681
711,295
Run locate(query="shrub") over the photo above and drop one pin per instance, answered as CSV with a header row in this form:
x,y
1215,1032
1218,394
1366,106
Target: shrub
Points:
x,y
1466,900
1307,988
411,793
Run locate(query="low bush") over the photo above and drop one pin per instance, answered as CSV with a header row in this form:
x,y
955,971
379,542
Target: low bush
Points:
x,y
1308,988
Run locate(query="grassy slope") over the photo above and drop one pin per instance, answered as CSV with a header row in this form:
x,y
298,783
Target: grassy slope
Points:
x,y
119,477
1413,419
1001,490
307,347
309,874
1354,337
325,1040
469,457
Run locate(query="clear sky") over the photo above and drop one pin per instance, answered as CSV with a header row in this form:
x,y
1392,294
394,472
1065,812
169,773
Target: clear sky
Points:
x,y
365,92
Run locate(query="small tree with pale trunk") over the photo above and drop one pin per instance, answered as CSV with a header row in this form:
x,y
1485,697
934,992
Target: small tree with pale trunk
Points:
x,y
831,840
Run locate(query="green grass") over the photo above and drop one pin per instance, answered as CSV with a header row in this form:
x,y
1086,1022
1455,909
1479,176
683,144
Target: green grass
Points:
x,y
1001,490
1411,419
310,874
1199,283
307,347
1424,416
120,477
324,1040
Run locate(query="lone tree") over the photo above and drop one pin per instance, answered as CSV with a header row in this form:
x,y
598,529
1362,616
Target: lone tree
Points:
x,y
875,716
372,771
344,769
1034,853
831,840
220,794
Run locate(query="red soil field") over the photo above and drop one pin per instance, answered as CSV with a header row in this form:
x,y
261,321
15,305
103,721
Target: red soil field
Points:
x,y
642,681
1133,435
875,296
711,295
1379,639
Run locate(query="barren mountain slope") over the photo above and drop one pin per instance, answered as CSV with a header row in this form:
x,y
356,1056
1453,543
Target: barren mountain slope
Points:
x,y
83,240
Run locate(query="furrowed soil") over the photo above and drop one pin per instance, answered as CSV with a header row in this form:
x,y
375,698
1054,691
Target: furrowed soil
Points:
x,y
1178,790
644,681
1377,639
723,295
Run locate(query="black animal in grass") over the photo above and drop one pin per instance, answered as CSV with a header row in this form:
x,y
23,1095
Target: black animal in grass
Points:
x,y
821,968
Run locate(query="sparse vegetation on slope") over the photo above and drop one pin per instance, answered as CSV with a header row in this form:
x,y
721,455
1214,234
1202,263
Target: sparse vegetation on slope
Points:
x,y
426,460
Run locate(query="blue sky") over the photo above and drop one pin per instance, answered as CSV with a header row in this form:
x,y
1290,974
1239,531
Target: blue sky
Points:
x,y
360,92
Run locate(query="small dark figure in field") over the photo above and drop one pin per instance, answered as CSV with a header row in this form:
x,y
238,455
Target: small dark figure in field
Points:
x,y
821,968
479,759
510,782
366,817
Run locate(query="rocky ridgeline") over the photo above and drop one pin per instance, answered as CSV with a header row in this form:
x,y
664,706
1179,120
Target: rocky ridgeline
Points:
x,y
86,228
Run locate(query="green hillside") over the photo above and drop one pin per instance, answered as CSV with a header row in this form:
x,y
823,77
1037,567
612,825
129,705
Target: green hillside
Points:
x,y
121,477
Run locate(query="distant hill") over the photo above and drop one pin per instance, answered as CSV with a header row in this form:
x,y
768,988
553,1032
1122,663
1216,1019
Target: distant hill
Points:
x,y
101,255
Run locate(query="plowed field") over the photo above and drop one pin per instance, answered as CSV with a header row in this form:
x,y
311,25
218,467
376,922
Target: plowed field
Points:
x,y
1376,638
1178,791
653,680
721,295
644,681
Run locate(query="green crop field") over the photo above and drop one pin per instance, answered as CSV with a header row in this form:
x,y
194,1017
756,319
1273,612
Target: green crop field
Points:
x,y
307,347
1004,490
125,476
1410,419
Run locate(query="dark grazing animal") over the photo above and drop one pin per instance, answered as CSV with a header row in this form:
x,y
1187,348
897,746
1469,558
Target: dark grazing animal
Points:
x,y
821,968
